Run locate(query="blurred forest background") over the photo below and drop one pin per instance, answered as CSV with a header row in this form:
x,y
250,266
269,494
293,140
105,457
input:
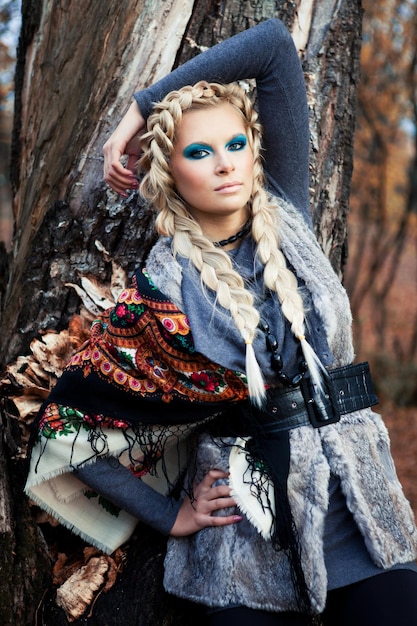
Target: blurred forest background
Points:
x,y
381,267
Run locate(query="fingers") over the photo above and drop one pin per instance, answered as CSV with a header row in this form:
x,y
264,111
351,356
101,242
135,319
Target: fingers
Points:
x,y
210,499
224,520
211,504
120,178
207,508
213,475
123,141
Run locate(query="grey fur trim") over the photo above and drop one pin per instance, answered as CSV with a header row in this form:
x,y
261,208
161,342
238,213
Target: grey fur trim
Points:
x,y
358,451
165,271
329,296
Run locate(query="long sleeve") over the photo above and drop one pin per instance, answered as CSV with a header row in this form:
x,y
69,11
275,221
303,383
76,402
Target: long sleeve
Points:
x,y
116,483
266,53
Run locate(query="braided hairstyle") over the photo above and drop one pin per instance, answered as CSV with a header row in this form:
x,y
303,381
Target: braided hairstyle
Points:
x,y
214,265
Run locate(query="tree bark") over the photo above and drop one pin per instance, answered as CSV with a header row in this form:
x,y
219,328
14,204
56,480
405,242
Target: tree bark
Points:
x,y
78,65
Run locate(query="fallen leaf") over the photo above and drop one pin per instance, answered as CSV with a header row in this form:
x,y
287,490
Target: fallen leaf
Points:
x,y
76,594
99,293
87,301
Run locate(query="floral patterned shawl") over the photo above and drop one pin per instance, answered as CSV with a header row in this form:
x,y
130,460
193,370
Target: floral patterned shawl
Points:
x,y
136,390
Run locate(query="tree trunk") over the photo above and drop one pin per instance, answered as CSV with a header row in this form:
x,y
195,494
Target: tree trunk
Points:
x,y
78,65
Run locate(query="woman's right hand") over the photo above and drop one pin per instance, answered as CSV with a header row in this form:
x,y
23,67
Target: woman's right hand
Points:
x,y
123,141
198,513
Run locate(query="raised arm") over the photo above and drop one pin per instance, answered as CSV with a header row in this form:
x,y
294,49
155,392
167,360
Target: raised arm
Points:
x,y
265,52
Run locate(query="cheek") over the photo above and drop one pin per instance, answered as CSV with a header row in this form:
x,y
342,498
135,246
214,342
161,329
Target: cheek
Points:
x,y
249,171
187,179
251,162
247,161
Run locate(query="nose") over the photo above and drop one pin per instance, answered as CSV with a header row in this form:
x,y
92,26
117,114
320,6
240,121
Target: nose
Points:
x,y
224,163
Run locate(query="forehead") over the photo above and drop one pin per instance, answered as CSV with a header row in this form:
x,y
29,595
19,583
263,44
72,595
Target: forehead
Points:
x,y
210,123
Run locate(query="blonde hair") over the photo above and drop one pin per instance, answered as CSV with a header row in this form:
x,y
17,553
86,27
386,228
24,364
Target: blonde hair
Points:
x,y
189,241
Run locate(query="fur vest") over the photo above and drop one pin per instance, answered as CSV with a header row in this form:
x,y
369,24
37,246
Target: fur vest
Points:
x,y
233,564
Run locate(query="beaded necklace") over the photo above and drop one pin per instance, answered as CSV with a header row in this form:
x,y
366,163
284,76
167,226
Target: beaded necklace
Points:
x,y
239,235
276,358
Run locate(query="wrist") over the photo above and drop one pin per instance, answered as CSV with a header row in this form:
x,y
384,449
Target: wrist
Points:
x,y
133,118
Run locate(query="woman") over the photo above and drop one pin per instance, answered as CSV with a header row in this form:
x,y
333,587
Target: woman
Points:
x,y
223,376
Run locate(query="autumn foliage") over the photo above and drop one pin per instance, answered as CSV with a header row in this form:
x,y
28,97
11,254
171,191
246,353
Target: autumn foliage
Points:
x,y
381,274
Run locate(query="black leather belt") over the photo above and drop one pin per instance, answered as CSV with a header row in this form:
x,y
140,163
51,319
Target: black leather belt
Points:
x,y
348,389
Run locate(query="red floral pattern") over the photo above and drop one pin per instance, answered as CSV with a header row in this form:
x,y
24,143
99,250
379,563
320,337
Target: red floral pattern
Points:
x,y
144,346
206,380
58,420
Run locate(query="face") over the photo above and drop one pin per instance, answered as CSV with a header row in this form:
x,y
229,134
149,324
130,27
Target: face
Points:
x,y
212,165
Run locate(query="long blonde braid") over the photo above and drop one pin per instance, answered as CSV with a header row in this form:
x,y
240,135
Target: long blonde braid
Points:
x,y
189,241
279,278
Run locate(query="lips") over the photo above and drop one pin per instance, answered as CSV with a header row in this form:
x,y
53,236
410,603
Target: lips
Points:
x,y
231,186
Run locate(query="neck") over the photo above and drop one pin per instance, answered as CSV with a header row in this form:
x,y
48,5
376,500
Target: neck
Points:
x,y
228,230
234,240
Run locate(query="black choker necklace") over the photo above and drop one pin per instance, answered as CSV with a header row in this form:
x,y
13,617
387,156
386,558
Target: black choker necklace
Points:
x,y
239,235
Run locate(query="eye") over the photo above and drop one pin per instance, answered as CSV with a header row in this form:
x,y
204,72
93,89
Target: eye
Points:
x,y
238,143
196,152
